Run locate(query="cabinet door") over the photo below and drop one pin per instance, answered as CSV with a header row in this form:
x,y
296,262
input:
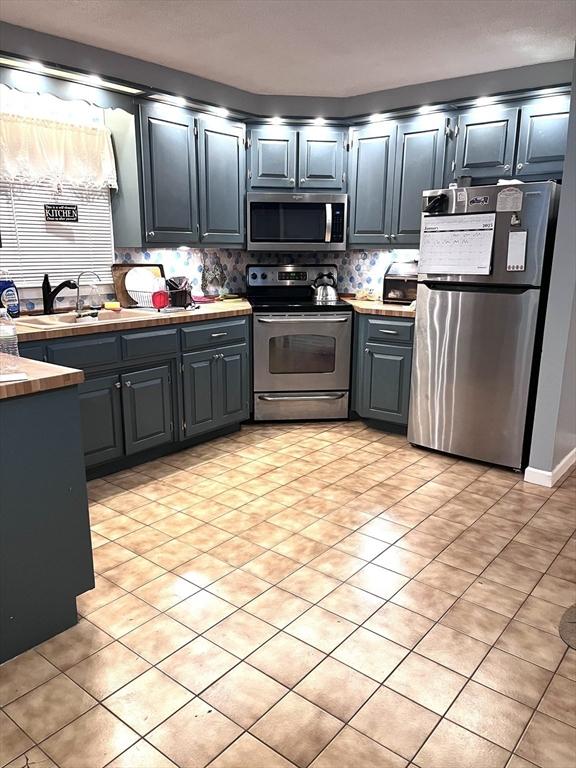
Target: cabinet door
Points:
x,y
486,142
385,384
321,158
168,174
272,157
221,163
371,181
420,150
543,137
200,391
147,405
234,377
101,419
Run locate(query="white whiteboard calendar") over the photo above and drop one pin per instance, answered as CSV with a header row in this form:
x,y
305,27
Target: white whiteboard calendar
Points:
x,y
457,245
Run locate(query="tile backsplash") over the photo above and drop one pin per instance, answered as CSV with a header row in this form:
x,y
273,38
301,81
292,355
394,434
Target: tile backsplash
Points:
x,y
356,269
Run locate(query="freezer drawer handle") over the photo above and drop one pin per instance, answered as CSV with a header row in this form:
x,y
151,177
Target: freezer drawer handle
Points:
x,y
303,320
384,330
272,398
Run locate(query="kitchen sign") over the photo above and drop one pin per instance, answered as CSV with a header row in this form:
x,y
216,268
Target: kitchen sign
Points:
x,y
61,212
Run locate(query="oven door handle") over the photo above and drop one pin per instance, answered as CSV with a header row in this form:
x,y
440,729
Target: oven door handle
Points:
x,y
328,231
302,320
335,396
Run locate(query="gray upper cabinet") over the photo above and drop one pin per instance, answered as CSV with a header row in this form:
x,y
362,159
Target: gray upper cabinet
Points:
x,y
321,158
169,179
371,183
543,136
273,157
486,142
419,165
221,166
147,406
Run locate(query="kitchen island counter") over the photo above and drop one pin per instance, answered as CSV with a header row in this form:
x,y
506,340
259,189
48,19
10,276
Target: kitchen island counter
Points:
x,y
41,377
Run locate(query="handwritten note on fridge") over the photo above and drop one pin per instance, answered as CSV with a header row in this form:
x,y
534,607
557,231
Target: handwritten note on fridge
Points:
x,y
457,245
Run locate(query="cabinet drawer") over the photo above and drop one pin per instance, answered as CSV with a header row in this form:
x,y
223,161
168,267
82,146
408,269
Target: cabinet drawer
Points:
x,y
85,353
149,344
205,335
388,330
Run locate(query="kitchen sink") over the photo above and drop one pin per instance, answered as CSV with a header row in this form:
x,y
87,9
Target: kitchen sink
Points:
x,y
69,318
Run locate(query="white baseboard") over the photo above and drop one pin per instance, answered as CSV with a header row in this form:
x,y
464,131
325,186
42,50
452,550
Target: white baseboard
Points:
x,y
550,479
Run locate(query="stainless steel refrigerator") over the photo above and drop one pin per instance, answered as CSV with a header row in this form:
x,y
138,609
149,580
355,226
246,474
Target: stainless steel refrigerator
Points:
x,y
484,269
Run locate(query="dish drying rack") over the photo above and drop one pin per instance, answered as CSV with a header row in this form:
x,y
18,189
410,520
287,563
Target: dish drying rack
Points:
x,y
176,299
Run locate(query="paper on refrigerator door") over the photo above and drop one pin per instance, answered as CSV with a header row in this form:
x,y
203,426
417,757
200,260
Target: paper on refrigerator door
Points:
x,y
457,245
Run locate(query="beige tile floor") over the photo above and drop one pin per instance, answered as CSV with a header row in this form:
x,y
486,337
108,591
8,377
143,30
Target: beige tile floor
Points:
x,y
319,594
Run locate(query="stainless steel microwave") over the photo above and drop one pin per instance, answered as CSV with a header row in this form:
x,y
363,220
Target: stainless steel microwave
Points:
x,y
306,221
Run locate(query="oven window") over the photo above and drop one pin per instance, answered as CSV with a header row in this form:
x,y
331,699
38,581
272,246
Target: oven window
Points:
x,y
302,353
287,222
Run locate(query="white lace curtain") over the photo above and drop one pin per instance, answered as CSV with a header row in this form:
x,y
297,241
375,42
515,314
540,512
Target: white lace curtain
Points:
x,y
34,150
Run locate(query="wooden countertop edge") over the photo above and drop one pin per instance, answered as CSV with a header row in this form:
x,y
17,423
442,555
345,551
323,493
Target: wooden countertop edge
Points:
x,y
379,308
214,311
42,377
206,312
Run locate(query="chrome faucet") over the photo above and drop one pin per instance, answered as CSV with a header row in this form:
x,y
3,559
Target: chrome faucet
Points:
x,y
79,311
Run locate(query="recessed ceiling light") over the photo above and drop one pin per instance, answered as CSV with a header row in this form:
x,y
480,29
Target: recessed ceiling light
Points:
x,y
95,80
276,120
425,109
319,121
37,66
220,111
178,100
484,101
375,118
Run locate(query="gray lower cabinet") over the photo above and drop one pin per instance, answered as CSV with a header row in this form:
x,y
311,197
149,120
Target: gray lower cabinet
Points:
x,y
101,419
543,137
221,174
147,408
486,142
200,391
272,157
381,379
371,183
169,178
215,388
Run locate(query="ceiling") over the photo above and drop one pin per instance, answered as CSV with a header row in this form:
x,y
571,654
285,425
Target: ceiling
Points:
x,y
314,47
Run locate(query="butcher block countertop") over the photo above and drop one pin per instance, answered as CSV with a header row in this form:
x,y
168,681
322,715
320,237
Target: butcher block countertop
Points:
x,y
29,328
41,378
379,308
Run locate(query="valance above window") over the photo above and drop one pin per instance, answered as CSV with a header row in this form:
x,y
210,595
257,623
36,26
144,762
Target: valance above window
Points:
x,y
36,151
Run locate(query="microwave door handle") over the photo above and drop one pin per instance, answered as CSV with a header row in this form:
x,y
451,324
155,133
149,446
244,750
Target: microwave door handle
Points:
x,y
328,232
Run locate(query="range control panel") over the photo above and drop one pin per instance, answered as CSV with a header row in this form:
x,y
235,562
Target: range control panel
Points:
x,y
262,275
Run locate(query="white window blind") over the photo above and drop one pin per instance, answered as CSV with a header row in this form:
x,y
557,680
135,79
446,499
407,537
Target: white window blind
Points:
x,y
32,246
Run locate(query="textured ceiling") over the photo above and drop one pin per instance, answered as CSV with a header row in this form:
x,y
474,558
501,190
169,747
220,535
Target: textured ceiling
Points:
x,y
314,47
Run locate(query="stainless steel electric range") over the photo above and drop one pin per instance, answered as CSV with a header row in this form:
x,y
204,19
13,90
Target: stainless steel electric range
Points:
x,y
301,346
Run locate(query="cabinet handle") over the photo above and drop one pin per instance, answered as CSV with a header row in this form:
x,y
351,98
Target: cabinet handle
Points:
x,y
366,351
215,357
383,330
117,385
291,181
519,166
151,234
214,335
221,356
302,181
506,167
392,237
128,383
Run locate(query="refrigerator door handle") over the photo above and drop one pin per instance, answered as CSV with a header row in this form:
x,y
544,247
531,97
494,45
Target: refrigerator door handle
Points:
x,y
463,288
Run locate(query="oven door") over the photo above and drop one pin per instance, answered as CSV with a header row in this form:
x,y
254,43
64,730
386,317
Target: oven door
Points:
x,y
302,352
